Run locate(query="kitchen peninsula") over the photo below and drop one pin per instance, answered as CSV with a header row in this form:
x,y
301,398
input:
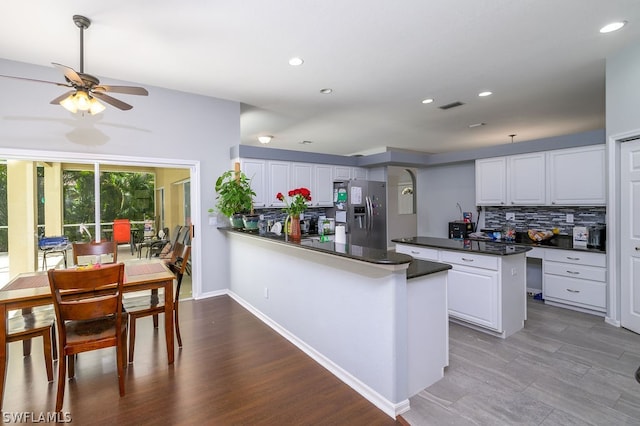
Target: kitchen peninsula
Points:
x,y
487,285
376,319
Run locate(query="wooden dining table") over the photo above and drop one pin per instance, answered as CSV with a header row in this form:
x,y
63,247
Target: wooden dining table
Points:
x,y
31,289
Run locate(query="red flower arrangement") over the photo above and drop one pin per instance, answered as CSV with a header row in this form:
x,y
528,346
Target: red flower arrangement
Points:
x,y
296,202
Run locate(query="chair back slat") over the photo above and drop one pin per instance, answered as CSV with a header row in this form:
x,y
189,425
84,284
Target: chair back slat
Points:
x,y
95,249
87,309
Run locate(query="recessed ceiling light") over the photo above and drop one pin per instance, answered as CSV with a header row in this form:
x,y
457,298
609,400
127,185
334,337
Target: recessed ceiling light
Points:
x,y
477,125
614,26
427,101
295,62
265,139
483,94
326,91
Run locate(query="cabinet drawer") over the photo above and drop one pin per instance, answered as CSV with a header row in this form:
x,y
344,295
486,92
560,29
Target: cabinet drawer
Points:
x,y
575,271
572,290
422,253
576,257
469,259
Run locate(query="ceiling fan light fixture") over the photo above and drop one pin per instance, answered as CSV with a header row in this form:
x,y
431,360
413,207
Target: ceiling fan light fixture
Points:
x,y
95,107
81,101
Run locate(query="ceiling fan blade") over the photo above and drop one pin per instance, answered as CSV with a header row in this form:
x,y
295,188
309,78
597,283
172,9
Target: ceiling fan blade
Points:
x,y
112,101
37,81
128,90
57,100
70,73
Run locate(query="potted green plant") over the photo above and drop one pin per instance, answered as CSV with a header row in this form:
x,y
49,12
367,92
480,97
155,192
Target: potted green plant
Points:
x,y
235,196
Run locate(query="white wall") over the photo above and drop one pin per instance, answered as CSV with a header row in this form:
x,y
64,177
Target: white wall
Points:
x,y
438,190
167,124
622,106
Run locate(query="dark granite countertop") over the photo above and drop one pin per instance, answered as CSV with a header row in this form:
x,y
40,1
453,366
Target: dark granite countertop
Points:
x,y
420,268
564,242
479,247
351,251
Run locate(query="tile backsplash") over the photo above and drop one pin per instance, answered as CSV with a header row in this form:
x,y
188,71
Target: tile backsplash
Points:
x,y
544,217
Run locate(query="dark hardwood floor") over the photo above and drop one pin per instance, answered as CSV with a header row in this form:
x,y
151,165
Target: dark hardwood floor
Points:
x,y
232,370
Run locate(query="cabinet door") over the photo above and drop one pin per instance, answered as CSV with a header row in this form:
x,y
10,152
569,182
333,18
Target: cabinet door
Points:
x,y
342,172
279,181
526,184
577,176
256,171
360,173
323,179
302,177
491,188
473,296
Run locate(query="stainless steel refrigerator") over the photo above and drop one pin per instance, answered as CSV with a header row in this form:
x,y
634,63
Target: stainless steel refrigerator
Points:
x,y
361,205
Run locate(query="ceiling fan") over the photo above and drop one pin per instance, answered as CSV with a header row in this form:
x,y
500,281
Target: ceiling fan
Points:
x,y
86,87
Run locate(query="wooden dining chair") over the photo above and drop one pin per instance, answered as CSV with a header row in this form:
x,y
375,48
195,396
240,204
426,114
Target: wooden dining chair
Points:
x,y
95,249
147,305
89,316
28,325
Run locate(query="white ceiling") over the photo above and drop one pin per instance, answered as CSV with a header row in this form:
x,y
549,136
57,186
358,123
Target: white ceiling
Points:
x,y
544,60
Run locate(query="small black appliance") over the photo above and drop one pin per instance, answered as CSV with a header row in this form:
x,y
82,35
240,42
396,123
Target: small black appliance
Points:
x,y
597,236
460,230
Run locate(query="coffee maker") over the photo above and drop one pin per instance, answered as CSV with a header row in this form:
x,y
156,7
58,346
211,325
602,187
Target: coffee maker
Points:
x,y
597,236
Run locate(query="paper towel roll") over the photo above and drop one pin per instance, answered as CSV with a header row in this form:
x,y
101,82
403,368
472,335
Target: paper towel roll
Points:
x,y
341,237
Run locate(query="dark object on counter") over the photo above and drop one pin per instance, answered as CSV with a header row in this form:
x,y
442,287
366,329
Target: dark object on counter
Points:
x,y
597,236
460,230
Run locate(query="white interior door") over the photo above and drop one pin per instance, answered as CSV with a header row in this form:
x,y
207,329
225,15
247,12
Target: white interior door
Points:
x,y
630,235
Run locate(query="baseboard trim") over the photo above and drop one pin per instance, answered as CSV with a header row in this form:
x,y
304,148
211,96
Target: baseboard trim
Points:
x,y
213,294
391,409
612,321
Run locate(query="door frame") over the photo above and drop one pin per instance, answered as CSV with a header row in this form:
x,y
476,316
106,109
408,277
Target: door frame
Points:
x,y
614,224
78,157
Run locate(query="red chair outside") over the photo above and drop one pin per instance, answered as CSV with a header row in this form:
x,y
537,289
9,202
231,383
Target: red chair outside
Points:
x,y
121,231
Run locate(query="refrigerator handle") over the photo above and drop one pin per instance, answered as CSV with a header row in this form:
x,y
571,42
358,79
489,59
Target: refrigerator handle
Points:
x,y
369,213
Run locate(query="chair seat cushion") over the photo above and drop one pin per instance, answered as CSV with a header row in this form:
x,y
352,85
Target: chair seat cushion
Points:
x,y
32,321
143,303
101,328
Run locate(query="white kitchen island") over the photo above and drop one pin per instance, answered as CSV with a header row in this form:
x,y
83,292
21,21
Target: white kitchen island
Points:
x,y
487,284
375,319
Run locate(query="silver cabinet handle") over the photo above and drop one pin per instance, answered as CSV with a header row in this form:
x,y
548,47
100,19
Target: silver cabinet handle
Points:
x,y
573,272
467,260
573,291
637,248
415,252
573,258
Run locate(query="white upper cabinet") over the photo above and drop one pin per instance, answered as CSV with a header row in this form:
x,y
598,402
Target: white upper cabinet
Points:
x,y
322,194
491,186
563,177
577,176
270,177
318,178
342,172
360,173
279,181
526,183
255,170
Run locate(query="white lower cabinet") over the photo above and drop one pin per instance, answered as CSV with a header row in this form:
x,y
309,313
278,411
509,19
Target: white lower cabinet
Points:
x,y
575,280
473,296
